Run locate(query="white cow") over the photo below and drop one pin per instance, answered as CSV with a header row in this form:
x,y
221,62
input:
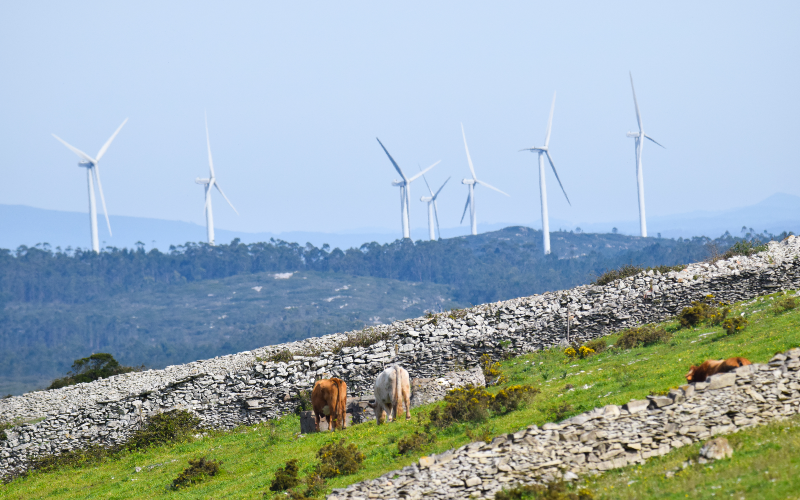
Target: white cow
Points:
x,y
392,389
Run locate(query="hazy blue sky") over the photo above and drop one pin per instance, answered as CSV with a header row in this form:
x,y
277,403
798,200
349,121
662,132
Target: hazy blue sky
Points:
x,y
297,92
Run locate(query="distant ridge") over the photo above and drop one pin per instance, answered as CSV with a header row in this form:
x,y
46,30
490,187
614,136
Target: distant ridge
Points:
x,y
24,225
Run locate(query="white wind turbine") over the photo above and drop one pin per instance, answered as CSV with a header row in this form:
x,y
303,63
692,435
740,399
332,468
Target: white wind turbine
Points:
x,y
543,151
208,184
432,209
471,183
640,136
92,167
405,191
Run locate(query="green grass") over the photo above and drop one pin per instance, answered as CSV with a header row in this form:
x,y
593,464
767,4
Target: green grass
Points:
x,y
252,454
765,464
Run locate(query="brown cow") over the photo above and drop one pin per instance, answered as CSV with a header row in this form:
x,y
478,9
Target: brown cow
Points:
x,y
329,400
714,366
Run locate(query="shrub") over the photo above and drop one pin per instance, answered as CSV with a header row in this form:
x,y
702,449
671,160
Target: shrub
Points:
x,y
784,304
734,325
283,356
198,470
414,442
491,371
463,404
704,310
3,427
285,477
315,485
560,411
512,398
597,345
73,458
556,490
473,404
303,402
96,366
338,459
363,338
642,336
745,248
164,428
632,270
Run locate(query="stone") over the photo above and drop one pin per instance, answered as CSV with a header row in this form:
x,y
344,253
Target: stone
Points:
x,y
426,461
473,481
721,380
635,406
716,449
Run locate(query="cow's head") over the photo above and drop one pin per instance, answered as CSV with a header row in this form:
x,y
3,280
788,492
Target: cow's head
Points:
x,y
690,375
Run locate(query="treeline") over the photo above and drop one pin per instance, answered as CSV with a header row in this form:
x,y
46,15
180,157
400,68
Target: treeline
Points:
x,y
479,269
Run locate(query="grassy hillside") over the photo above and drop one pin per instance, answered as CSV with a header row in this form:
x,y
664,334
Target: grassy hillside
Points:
x,y
199,320
252,454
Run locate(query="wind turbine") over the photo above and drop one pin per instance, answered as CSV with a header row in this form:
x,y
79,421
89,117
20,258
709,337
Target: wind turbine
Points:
x,y
405,190
432,209
92,167
471,183
208,184
543,151
640,136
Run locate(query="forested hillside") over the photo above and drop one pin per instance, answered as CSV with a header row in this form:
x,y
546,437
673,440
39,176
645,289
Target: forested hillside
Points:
x,y
199,301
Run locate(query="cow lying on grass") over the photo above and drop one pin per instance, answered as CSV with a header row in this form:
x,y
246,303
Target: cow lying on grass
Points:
x,y
714,366
329,400
392,390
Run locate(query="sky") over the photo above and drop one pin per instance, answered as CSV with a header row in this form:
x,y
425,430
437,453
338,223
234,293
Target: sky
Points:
x,y
297,92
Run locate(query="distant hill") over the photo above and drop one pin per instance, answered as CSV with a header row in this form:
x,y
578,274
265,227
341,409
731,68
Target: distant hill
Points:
x,y
22,225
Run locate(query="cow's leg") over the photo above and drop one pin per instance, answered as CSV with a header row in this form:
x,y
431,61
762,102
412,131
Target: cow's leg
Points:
x,y
407,402
392,413
316,421
381,413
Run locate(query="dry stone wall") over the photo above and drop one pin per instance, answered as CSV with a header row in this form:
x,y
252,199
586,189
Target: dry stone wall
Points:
x,y
242,388
599,440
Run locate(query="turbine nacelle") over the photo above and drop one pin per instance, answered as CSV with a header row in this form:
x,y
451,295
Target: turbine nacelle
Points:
x,y
467,181
634,135
398,183
202,181
426,198
85,164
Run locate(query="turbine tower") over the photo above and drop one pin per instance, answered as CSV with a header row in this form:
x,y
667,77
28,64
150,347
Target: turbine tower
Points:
x,y
208,184
472,183
405,191
92,168
432,209
640,136
543,151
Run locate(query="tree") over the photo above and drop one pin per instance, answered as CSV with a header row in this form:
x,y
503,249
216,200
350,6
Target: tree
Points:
x,y
97,366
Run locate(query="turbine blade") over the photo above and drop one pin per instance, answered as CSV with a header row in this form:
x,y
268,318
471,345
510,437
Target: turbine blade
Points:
x,y
108,142
96,169
550,121
421,173
426,181
559,180
526,149
491,187
654,141
226,198
465,210
208,142
440,189
396,166
436,214
636,103
471,168
83,156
